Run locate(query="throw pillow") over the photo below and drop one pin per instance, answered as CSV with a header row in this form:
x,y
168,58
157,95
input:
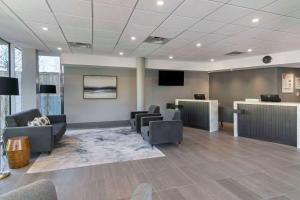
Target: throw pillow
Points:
x,y
39,121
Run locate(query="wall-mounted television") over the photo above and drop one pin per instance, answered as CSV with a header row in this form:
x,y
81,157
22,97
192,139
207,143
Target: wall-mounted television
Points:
x,y
170,78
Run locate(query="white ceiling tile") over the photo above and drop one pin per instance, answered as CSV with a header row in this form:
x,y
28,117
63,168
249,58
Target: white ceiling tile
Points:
x,y
114,26
147,18
28,5
53,34
74,34
197,8
231,29
283,6
77,8
106,12
207,26
174,21
229,13
150,5
212,38
128,3
35,16
68,20
256,4
191,35
106,34
166,32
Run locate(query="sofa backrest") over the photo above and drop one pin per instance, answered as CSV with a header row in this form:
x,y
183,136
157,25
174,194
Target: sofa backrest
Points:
x,y
172,114
22,118
153,109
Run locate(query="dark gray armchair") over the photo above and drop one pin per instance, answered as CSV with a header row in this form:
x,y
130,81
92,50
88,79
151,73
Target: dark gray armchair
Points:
x,y
135,117
42,138
160,130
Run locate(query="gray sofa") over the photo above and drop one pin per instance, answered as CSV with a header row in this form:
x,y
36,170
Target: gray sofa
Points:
x,y
42,138
160,130
135,117
45,190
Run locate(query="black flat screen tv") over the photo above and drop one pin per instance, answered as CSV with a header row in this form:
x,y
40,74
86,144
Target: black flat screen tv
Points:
x,y
170,78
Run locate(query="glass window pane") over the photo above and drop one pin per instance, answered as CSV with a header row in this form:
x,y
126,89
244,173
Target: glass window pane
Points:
x,y
4,71
17,100
50,74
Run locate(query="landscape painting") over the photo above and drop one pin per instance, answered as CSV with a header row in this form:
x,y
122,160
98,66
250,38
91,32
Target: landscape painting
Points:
x,y
99,87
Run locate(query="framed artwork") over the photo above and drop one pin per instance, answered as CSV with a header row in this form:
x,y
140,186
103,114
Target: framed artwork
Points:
x,y
99,87
287,83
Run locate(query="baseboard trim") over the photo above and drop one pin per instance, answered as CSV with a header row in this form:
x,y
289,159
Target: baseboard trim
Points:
x,y
108,124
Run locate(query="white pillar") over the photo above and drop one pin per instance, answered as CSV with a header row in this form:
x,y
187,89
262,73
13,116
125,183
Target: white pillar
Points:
x,y
29,79
140,79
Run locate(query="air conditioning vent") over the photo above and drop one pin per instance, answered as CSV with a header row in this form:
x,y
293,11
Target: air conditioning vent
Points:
x,y
234,53
80,45
156,40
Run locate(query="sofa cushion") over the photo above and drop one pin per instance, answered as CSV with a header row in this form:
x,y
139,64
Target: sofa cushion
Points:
x,y
39,121
59,130
22,118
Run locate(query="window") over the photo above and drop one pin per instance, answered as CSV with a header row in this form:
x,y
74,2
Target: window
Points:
x,y
4,71
17,73
50,74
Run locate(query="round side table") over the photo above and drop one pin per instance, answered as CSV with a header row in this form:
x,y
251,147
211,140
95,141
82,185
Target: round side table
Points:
x,y
18,151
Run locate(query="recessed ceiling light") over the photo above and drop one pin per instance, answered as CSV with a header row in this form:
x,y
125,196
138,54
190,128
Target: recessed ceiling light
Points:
x,y
160,3
133,38
212,60
198,45
45,28
255,20
121,53
59,48
249,50
171,57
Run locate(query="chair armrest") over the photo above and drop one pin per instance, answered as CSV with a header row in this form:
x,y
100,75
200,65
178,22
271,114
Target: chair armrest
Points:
x,y
145,120
57,119
41,137
138,118
132,114
166,129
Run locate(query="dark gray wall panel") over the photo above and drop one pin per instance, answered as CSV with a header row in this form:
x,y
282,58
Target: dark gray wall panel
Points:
x,y
195,114
270,123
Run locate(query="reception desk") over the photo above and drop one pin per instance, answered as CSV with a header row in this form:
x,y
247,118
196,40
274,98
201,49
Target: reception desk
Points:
x,y
201,114
268,121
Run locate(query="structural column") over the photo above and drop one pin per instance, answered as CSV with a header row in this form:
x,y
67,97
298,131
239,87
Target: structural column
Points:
x,y
140,81
29,79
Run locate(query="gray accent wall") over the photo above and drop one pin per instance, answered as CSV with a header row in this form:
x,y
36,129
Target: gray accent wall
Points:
x,y
194,82
79,110
232,86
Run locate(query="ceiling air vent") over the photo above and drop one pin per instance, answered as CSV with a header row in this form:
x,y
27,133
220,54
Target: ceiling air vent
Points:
x,y
156,40
234,53
79,45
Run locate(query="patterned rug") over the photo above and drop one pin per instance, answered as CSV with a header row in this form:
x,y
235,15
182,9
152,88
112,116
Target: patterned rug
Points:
x,y
87,147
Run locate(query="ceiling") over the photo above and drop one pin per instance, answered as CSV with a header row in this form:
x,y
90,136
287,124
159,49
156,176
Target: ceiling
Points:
x,y
221,26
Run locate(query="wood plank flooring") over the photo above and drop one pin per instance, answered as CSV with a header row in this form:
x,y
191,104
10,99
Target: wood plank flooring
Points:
x,y
205,166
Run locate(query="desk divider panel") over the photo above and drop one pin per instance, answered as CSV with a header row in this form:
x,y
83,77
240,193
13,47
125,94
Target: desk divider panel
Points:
x,y
268,122
195,114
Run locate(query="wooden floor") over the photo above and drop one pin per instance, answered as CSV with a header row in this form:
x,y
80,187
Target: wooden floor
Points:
x,y
205,166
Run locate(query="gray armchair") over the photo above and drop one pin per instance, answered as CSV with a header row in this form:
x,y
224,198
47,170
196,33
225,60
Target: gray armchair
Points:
x,y
135,117
160,130
42,138
40,190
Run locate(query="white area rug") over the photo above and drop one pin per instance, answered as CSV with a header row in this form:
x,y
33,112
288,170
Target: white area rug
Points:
x,y
87,147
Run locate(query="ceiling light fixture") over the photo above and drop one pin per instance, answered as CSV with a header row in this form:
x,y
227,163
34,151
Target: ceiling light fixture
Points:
x,y
45,28
121,53
255,20
249,50
160,3
198,45
133,38
212,60
59,48
171,57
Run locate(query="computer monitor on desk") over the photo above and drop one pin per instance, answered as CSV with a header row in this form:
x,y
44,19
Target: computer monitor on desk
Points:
x,y
270,98
199,96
